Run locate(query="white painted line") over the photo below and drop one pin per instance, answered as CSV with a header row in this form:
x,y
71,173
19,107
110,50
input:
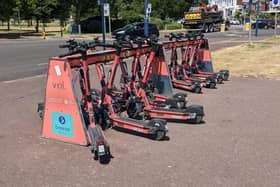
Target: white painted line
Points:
x,y
23,79
42,64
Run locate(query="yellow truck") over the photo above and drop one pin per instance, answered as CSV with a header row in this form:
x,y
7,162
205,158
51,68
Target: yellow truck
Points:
x,y
205,18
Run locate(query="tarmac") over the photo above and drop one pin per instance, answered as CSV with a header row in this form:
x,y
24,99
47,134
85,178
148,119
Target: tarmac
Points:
x,y
238,145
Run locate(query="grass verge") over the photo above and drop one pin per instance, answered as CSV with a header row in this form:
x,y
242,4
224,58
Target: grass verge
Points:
x,y
256,60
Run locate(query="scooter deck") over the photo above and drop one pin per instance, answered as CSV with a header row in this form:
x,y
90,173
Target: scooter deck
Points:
x,y
185,111
138,125
182,85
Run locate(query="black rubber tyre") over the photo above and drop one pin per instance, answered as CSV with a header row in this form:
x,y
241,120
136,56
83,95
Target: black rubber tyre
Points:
x,y
126,37
40,110
211,28
134,109
197,90
153,36
226,77
156,91
225,74
147,117
212,85
206,28
41,114
105,159
198,119
159,135
220,81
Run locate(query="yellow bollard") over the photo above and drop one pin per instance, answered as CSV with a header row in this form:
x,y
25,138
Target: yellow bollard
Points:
x,y
247,26
44,35
223,27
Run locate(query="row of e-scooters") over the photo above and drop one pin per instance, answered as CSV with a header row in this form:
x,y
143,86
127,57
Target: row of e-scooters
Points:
x,y
139,100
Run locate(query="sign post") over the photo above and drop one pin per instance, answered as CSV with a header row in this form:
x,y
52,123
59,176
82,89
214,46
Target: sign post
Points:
x,y
107,14
250,25
275,5
244,8
275,24
146,20
257,21
101,2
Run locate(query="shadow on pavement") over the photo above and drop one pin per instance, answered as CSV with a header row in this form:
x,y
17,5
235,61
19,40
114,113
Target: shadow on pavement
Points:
x,y
17,35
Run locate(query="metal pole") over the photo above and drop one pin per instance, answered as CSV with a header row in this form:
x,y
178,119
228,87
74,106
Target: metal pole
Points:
x,y
146,25
244,15
250,30
275,24
250,23
257,21
102,21
105,25
109,23
19,21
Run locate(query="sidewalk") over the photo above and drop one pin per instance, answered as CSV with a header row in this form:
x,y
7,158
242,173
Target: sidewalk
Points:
x,y
56,35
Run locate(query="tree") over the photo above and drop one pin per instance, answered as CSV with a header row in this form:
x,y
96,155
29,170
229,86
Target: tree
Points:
x,y
26,8
83,8
62,12
7,10
164,9
43,11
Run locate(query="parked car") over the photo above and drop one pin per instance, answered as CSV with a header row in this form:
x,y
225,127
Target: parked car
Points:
x,y
264,24
135,29
234,22
93,24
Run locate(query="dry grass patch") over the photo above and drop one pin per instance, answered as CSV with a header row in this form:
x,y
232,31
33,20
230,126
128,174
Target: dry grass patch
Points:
x,y
256,60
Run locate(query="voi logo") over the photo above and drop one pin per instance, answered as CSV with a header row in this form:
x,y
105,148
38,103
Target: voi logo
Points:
x,y
275,3
61,120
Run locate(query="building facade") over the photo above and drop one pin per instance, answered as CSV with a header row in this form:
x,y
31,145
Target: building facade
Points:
x,y
232,7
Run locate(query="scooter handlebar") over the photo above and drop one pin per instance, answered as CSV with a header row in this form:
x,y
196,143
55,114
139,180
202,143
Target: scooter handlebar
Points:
x,y
77,51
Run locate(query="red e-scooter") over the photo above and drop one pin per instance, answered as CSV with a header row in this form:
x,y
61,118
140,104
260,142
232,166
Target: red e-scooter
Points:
x,y
68,112
203,63
196,57
177,70
155,128
155,67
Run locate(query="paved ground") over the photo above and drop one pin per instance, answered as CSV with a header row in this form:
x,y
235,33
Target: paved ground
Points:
x,y
237,146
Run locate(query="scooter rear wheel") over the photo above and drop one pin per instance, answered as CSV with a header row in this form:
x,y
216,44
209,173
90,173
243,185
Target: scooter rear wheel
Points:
x,y
159,135
198,119
197,90
105,159
220,81
212,85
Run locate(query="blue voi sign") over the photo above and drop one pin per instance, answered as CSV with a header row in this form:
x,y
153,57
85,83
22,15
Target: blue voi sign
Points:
x,y
275,3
